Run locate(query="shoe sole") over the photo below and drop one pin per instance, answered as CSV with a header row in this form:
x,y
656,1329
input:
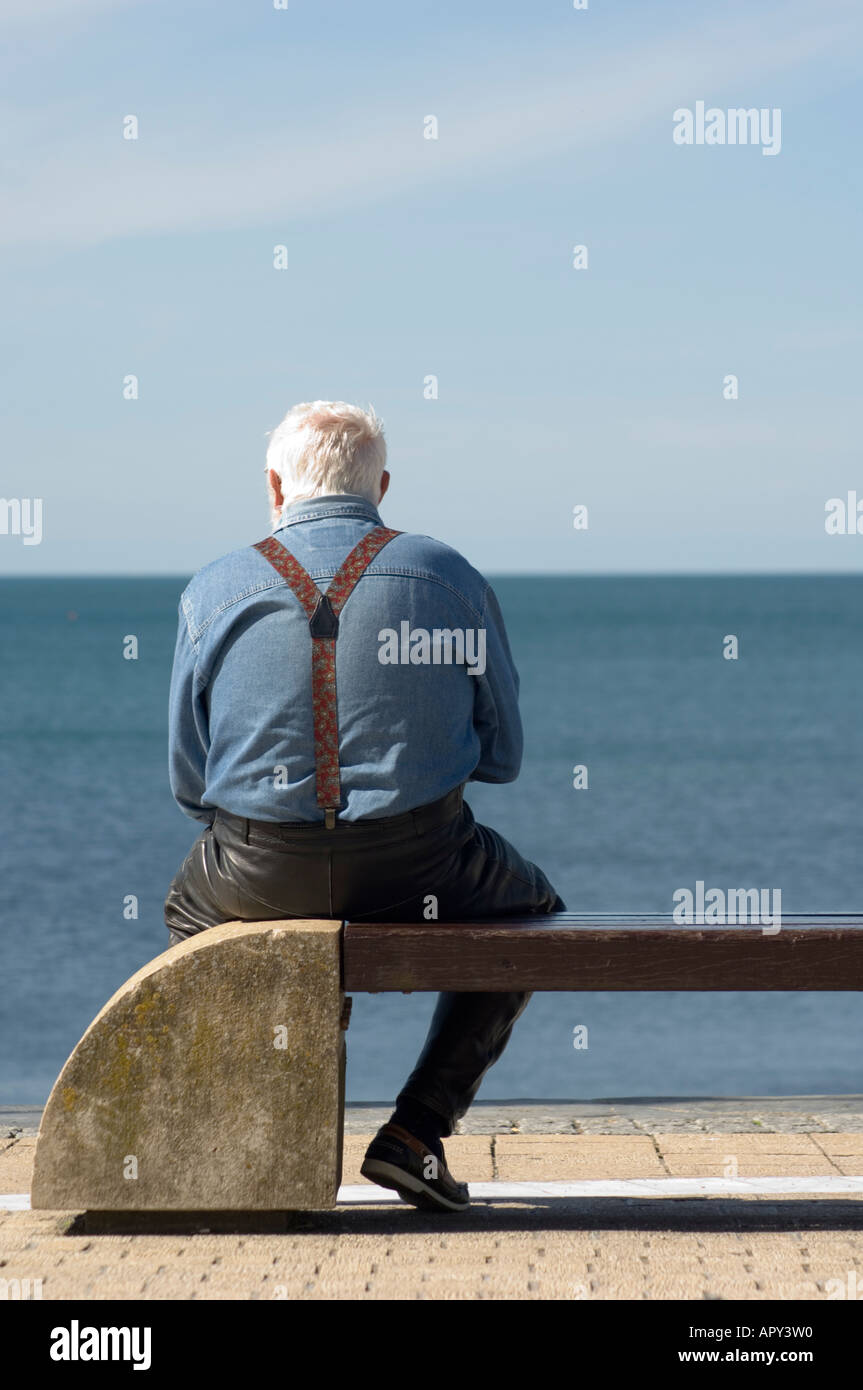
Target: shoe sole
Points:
x,y
409,1188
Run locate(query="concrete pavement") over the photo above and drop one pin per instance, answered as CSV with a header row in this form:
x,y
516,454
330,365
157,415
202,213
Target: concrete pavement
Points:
x,y
787,1247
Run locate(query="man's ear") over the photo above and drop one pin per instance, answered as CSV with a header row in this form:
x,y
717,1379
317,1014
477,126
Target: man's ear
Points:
x,y
385,482
276,494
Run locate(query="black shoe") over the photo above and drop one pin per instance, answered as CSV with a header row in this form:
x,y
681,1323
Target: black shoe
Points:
x,y
396,1159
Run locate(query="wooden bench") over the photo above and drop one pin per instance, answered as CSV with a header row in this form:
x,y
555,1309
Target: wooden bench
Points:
x,y
213,1080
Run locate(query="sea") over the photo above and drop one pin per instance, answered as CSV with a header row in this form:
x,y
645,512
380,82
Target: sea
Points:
x,y
658,753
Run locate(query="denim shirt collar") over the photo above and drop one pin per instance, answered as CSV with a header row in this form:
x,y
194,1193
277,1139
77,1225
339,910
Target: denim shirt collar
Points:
x,y
339,504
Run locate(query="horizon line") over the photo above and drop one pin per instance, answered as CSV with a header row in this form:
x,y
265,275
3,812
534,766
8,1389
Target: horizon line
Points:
x,y
185,577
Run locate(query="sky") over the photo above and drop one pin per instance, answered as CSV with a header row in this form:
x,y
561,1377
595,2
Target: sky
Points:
x,y
409,258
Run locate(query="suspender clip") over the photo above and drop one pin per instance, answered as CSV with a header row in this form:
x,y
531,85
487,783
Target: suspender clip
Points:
x,y
324,622
330,817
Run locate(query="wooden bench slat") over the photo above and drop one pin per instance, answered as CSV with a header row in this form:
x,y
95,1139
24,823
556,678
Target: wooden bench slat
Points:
x,y
574,953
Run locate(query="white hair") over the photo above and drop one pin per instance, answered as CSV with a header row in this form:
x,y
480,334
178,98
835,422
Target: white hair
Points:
x,y
326,447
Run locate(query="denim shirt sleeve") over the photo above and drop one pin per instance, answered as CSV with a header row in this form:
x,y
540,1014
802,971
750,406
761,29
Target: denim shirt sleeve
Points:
x,y
496,717
188,738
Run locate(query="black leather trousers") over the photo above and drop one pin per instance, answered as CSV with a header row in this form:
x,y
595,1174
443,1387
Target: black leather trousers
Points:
x,y
383,870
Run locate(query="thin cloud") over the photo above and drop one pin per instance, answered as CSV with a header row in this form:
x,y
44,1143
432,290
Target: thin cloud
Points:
x,y
140,189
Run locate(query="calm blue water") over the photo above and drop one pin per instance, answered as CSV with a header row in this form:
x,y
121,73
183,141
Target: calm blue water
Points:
x,y
743,773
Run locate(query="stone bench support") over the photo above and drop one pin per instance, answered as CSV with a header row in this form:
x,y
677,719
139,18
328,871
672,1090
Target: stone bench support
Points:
x,y
212,1080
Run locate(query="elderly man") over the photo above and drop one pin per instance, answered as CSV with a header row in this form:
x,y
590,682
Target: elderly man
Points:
x,y
334,688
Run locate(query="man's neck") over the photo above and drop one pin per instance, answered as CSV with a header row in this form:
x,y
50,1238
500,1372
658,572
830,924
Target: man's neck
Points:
x,y
329,504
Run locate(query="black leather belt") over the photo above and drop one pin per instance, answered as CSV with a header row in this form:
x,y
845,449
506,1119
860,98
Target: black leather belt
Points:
x,y
417,821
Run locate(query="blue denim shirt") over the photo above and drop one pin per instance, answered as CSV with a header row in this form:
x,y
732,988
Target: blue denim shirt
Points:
x,y
411,725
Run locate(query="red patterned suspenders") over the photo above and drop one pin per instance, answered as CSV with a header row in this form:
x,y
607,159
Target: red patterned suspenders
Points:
x,y
322,611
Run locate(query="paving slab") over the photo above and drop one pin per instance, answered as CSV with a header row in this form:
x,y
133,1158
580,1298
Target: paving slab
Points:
x,y
730,1165
840,1145
577,1156
16,1165
849,1167
777,1144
